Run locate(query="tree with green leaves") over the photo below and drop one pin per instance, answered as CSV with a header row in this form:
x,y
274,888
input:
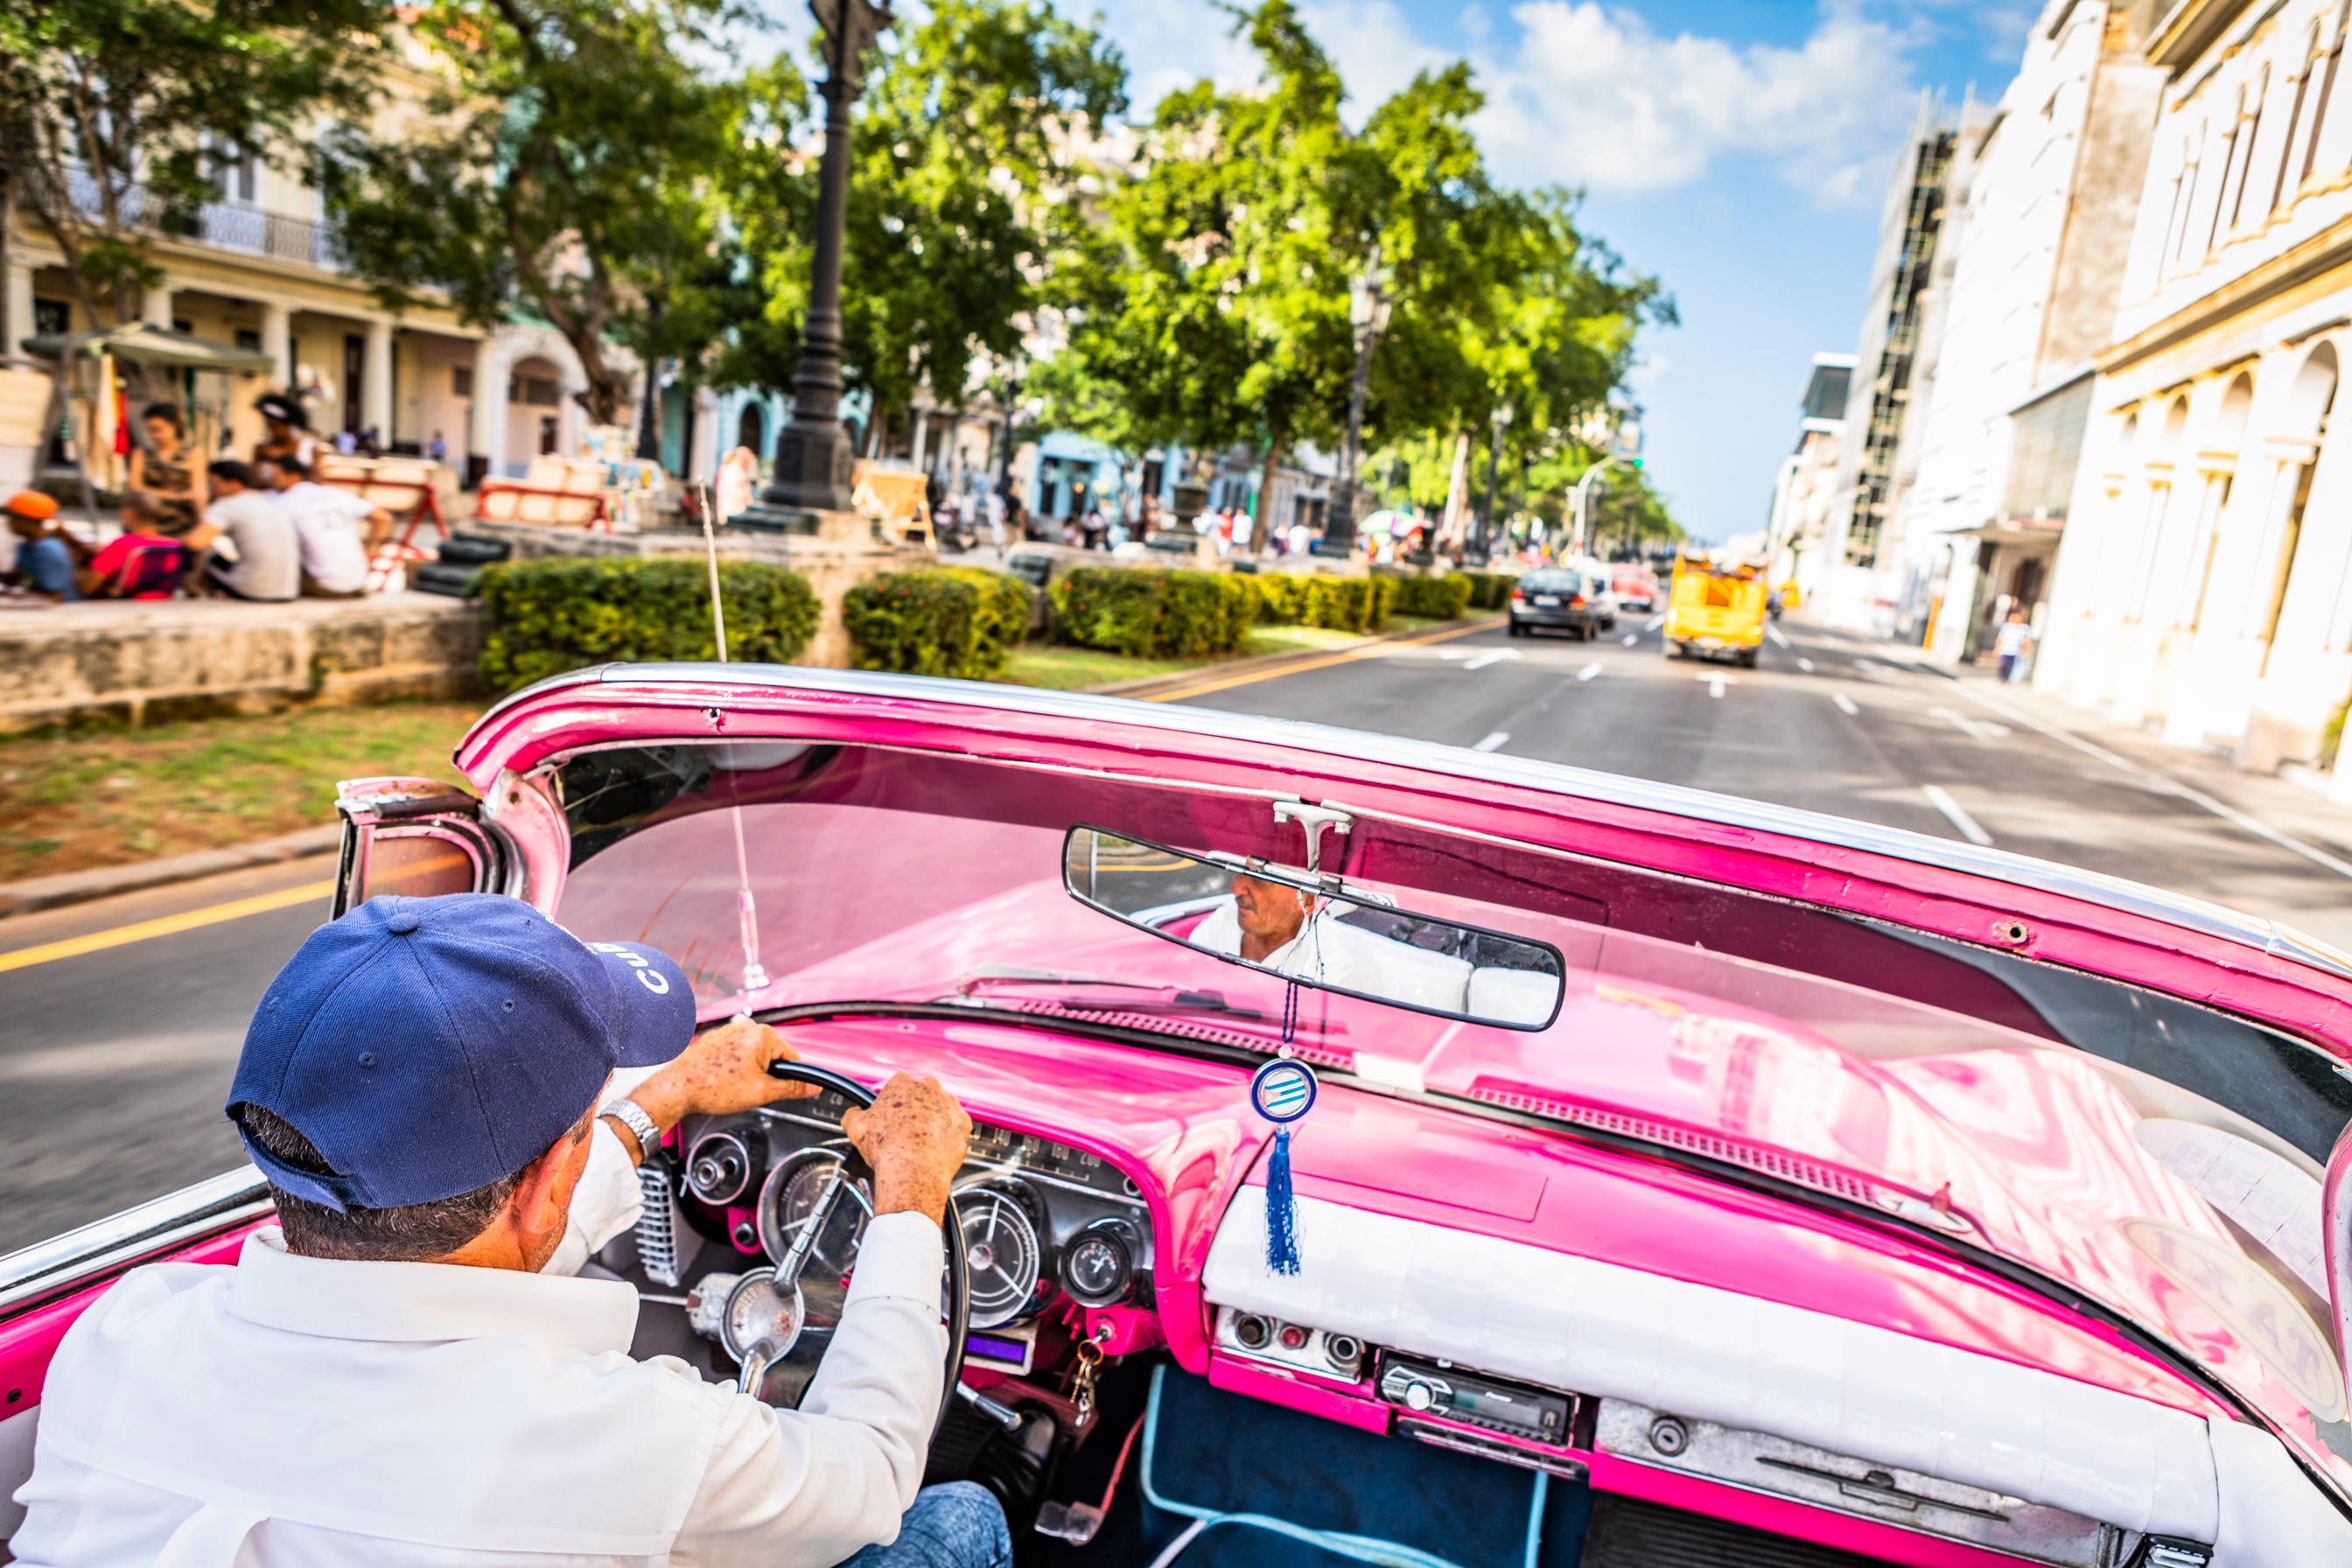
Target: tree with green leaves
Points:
x,y
561,169
1215,313
964,199
117,118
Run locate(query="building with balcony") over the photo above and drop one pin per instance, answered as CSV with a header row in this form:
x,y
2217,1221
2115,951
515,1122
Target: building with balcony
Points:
x,y
2201,585
1795,536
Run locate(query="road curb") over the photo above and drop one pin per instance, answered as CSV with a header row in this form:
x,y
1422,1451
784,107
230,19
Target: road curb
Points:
x,y
105,881
1272,663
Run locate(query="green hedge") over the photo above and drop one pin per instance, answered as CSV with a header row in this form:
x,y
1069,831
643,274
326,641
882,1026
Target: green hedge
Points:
x,y
563,612
1153,613
1488,590
957,621
1438,598
1343,604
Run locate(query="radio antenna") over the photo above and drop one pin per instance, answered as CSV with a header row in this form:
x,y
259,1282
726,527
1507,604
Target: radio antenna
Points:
x,y
755,978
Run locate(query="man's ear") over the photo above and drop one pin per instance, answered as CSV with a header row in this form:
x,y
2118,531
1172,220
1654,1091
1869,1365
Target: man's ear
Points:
x,y
542,1197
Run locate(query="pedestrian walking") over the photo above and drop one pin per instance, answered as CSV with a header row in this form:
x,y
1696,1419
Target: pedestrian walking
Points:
x,y
2010,642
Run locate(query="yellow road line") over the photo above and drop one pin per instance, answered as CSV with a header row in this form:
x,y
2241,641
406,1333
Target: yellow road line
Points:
x,y
1372,650
212,914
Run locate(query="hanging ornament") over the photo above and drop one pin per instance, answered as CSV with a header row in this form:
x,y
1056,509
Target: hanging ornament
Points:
x,y
1283,1091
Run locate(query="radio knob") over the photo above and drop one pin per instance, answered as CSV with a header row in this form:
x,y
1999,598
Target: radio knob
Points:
x,y
1419,1395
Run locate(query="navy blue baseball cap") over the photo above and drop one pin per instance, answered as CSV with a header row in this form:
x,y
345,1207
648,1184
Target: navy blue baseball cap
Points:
x,y
430,1047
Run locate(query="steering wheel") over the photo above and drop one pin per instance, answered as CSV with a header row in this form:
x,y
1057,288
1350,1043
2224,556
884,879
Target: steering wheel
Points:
x,y
780,1321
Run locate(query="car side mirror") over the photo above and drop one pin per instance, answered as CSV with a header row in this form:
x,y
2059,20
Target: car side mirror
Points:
x,y
1317,930
415,837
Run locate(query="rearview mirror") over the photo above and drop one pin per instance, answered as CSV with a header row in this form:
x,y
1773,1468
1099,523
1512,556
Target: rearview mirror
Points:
x,y
1317,930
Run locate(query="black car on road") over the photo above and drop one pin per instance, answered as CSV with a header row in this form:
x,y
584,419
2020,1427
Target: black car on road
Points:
x,y
1558,599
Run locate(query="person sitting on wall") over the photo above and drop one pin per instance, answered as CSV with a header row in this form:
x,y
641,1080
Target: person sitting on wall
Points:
x,y
288,433
266,562
49,558
143,561
327,521
162,466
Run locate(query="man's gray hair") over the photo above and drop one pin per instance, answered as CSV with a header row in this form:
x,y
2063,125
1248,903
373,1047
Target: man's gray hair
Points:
x,y
412,1233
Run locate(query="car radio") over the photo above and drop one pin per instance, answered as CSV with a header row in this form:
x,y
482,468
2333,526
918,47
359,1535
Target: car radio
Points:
x,y
1450,1393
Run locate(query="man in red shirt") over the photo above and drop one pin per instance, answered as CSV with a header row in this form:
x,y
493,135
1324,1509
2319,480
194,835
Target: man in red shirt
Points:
x,y
141,563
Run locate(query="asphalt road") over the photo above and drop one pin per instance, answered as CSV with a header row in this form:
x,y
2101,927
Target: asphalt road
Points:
x,y
114,1063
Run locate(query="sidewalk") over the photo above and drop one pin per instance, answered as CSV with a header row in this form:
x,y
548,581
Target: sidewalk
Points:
x,y
2296,807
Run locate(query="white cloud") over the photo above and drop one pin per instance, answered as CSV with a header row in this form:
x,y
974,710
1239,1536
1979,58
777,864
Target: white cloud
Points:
x,y
1596,96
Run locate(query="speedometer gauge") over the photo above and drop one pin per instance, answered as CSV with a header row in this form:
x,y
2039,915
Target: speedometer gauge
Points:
x,y
1002,1257
789,1200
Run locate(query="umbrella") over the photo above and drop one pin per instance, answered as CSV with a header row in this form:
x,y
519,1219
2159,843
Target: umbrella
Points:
x,y
1385,522
148,344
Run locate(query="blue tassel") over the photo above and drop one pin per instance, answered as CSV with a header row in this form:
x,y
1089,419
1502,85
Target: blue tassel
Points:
x,y
1281,1213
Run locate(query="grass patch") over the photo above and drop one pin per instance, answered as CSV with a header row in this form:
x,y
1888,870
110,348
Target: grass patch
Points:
x,y
1062,667
77,799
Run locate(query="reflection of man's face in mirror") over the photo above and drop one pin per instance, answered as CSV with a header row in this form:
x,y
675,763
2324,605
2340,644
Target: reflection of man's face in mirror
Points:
x,y
1270,915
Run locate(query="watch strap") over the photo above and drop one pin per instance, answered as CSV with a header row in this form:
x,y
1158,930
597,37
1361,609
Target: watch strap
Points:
x,y
632,1115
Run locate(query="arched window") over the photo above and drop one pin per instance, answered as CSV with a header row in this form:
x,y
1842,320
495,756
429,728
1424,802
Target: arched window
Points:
x,y
2232,170
2308,403
2294,115
2227,431
2327,91
751,430
2184,197
2253,140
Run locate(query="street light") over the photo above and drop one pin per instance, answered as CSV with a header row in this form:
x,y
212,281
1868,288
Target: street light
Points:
x,y
1584,486
814,462
1501,419
1368,311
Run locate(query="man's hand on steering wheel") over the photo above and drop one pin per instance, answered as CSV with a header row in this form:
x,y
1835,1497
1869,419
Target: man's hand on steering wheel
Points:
x,y
915,1136
725,1069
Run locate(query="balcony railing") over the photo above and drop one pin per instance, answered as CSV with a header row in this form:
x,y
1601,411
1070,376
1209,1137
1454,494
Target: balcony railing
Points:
x,y
230,225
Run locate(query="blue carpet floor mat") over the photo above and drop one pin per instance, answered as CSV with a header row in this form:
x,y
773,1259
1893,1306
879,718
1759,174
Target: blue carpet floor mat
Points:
x,y
1221,1451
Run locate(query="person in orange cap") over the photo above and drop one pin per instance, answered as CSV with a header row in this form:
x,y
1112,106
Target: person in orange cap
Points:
x,y
48,557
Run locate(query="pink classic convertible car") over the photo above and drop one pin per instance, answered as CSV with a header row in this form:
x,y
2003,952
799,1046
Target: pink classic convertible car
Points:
x,y
1408,1155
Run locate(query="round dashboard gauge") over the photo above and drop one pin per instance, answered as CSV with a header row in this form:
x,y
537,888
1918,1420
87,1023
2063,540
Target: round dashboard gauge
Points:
x,y
789,1201
754,1312
1001,1257
1098,1267
718,1167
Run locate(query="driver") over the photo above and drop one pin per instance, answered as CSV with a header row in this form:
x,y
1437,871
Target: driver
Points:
x,y
1277,925
399,1372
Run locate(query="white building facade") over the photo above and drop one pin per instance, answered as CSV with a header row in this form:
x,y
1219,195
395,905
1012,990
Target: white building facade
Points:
x,y
2202,587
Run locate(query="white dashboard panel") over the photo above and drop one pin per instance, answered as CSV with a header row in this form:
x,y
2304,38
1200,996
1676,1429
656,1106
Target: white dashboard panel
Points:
x,y
1848,1388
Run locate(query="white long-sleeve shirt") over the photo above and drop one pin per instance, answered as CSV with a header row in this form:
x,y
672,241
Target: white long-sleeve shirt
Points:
x,y
300,1410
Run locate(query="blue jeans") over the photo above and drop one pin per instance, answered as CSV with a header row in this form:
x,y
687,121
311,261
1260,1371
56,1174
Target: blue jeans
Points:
x,y
960,1525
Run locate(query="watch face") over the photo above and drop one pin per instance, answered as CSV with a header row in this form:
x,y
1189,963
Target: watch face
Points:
x,y
756,1313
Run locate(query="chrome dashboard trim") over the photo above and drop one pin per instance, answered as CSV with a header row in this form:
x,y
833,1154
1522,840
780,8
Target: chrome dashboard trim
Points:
x,y
122,1240
2268,937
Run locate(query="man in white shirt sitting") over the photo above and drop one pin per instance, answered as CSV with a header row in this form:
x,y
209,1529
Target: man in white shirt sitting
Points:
x,y
400,1371
1277,925
267,562
327,520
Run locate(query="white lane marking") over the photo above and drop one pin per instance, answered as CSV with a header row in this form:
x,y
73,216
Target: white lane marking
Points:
x,y
1655,622
1492,656
1452,653
1492,742
1872,668
1588,672
1941,799
1774,632
1629,639
1716,681
1845,705
1806,665
2160,784
1983,731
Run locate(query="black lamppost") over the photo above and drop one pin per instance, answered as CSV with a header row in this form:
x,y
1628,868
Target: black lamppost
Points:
x,y
815,461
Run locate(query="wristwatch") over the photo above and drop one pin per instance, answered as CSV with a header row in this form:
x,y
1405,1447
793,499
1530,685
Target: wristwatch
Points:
x,y
632,1115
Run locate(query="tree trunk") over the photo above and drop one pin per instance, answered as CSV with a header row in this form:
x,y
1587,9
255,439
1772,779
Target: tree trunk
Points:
x,y
1265,520
649,416
1458,491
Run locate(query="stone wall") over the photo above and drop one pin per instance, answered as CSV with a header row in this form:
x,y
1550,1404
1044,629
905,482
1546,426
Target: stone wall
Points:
x,y
147,660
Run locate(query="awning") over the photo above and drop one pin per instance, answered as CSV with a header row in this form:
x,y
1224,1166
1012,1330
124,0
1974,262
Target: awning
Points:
x,y
148,344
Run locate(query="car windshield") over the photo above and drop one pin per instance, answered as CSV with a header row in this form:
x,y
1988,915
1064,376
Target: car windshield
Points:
x,y
1552,583
2085,1129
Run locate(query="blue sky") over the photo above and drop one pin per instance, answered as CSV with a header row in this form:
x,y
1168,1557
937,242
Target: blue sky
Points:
x,y
1738,149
